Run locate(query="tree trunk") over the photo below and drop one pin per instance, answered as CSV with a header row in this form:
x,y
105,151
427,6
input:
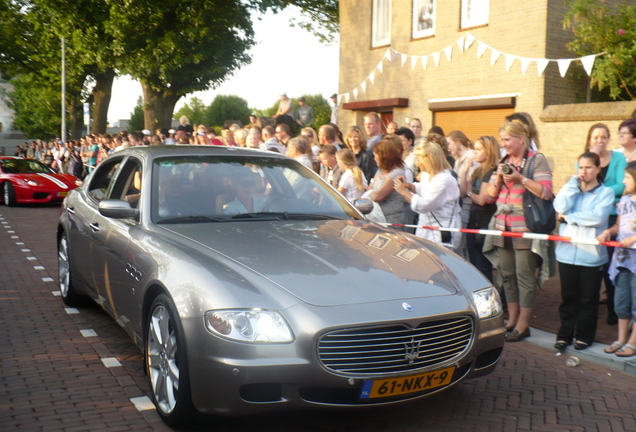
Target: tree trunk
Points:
x,y
102,91
158,107
75,111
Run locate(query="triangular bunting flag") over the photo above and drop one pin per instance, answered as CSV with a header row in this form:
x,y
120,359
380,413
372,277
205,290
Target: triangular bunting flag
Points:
x,y
468,41
346,96
564,64
481,49
379,67
460,43
363,85
525,62
413,61
355,93
510,59
541,65
424,62
387,54
449,52
371,78
494,55
588,63
394,55
404,57
436,58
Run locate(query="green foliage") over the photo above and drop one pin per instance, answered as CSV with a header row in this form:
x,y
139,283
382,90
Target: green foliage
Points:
x,y
137,117
601,26
36,106
227,107
194,110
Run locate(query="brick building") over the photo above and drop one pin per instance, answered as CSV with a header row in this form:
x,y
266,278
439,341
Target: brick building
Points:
x,y
484,59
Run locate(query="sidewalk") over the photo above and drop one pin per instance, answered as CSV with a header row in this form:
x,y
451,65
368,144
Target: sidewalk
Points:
x,y
545,324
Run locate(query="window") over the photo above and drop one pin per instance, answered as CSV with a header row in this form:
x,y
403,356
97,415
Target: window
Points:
x,y
423,18
474,13
102,181
381,23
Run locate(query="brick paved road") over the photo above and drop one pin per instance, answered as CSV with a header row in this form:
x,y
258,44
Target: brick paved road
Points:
x,y
52,377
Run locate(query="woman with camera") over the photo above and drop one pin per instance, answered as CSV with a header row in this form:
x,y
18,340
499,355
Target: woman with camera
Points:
x,y
518,263
435,198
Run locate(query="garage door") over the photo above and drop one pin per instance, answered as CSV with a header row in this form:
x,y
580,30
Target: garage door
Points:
x,y
474,123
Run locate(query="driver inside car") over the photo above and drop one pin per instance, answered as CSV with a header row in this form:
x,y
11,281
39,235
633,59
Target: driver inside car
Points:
x,y
246,184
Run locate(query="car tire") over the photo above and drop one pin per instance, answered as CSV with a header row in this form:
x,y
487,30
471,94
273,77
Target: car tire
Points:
x,y
8,194
167,365
69,296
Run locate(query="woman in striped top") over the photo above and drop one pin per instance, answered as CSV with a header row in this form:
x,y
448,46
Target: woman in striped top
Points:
x,y
518,263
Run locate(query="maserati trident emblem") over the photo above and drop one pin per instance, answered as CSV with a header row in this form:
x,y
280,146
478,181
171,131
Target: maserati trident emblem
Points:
x,y
407,307
412,350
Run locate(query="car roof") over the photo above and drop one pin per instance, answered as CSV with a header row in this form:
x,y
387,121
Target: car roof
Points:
x,y
152,152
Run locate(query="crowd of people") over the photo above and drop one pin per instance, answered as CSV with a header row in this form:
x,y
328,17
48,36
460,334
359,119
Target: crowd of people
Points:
x,y
448,181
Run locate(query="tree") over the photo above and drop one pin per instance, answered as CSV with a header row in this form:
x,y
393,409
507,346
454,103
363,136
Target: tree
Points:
x,y
601,26
178,47
136,122
195,111
227,107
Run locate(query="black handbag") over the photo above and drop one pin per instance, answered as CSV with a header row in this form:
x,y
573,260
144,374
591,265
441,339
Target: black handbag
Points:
x,y
539,213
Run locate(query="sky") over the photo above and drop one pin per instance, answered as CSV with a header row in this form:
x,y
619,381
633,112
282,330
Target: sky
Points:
x,y
308,67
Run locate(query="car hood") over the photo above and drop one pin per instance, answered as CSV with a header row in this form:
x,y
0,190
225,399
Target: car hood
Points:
x,y
57,181
328,263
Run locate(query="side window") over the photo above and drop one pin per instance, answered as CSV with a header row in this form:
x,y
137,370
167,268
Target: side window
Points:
x,y
103,179
132,184
474,13
381,23
423,18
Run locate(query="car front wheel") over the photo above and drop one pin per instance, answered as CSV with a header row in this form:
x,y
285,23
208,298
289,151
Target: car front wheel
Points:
x,y
8,194
69,296
167,364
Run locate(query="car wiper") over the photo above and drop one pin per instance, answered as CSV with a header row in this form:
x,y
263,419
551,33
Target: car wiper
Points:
x,y
192,219
283,216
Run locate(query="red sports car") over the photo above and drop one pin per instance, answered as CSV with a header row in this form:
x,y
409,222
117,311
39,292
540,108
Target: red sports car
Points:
x,y
30,181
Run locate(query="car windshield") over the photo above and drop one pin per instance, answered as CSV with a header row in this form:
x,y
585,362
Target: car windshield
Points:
x,y
24,166
241,188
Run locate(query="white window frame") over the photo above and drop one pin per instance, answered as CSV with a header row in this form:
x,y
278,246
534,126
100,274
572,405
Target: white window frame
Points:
x,y
381,17
470,18
426,9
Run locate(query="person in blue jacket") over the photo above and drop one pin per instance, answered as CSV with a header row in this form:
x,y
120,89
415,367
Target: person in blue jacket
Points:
x,y
583,207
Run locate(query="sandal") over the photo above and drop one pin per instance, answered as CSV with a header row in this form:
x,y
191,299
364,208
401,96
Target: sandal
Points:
x,y
615,346
623,353
561,344
580,345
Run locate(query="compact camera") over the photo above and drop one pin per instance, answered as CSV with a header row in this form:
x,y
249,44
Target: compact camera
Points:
x,y
508,168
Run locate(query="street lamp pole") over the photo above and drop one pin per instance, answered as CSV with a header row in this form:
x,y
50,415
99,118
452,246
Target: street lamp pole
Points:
x,y
63,137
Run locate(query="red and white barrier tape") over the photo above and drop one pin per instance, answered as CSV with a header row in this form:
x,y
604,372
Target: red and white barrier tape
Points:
x,y
528,235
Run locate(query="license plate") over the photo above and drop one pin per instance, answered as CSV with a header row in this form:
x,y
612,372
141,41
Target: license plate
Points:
x,y
62,194
410,384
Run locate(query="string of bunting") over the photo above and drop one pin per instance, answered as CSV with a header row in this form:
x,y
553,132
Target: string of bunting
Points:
x,y
463,43
528,235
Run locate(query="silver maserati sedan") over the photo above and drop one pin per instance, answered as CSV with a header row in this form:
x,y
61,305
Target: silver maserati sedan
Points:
x,y
251,285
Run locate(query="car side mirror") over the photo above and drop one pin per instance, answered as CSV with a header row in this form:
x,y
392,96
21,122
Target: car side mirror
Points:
x,y
364,206
117,209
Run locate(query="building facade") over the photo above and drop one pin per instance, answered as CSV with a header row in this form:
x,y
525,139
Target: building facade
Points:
x,y
461,64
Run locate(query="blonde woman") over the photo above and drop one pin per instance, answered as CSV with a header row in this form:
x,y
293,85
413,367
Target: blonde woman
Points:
x,y
475,187
518,262
436,197
358,145
353,183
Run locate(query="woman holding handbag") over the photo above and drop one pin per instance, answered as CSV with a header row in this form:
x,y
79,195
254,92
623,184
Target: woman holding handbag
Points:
x,y
518,263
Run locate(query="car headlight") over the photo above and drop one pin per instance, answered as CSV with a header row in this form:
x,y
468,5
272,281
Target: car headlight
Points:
x,y
488,303
249,325
78,182
32,182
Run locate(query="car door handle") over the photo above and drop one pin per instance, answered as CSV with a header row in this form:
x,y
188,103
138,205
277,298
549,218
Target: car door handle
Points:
x,y
71,210
94,226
